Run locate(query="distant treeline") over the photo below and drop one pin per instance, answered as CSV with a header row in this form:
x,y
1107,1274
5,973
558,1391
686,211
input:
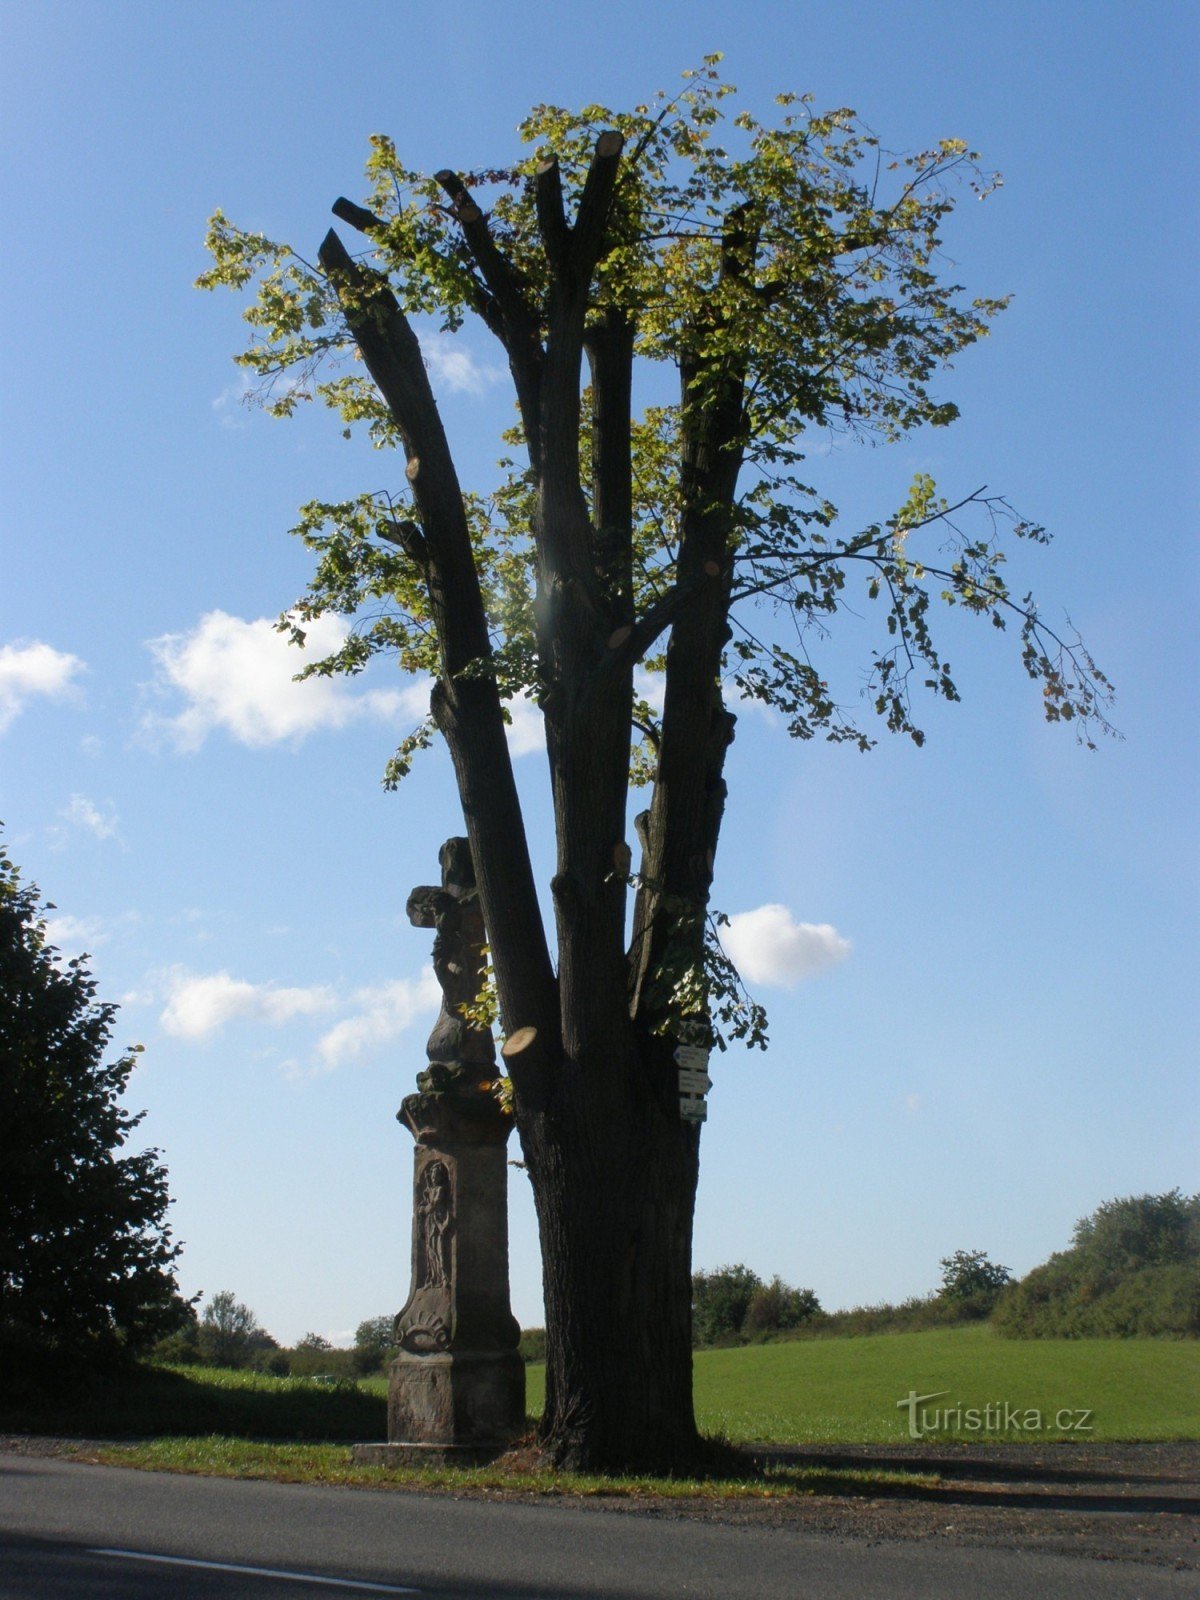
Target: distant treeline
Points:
x,y
1132,1271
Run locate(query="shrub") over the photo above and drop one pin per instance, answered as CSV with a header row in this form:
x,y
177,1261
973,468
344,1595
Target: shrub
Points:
x,y
533,1344
1133,1271
775,1307
374,1345
969,1275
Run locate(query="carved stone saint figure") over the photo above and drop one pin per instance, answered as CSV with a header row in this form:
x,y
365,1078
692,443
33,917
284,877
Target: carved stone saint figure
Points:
x,y
453,911
434,1210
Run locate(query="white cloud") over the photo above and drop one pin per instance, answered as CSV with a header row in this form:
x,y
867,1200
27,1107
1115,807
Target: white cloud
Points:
x,y
198,1006
384,1013
652,687
452,365
768,946
27,670
239,676
527,730
81,815
75,934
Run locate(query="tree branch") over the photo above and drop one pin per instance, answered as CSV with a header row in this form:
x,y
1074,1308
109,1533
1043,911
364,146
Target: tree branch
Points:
x,y
551,214
466,701
518,326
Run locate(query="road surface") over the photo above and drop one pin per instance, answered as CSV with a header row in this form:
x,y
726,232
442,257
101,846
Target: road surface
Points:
x,y
74,1532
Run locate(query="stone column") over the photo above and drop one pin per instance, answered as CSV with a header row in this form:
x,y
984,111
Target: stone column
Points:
x,y
456,1391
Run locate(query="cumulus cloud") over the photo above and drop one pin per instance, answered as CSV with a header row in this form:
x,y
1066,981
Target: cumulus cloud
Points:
x,y
526,732
81,815
198,1005
75,934
239,676
383,1014
768,945
29,670
452,366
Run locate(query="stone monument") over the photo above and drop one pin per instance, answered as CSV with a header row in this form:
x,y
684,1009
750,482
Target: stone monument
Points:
x,y
456,1391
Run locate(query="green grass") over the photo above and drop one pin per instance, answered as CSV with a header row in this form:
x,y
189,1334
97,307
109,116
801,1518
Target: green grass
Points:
x,y
202,1401
816,1391
844,1391
331,1464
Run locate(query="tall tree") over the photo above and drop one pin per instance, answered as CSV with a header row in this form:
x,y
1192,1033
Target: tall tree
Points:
x,y
86,1258
790,280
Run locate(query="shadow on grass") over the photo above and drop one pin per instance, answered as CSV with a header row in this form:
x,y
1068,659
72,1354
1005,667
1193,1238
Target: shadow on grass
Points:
x,y
151,1402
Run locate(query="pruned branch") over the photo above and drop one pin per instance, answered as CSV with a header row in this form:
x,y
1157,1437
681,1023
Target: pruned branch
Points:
x,y
587,236
551,213
357,216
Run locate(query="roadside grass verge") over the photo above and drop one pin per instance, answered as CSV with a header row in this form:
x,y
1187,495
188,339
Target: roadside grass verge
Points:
x,y
331,1464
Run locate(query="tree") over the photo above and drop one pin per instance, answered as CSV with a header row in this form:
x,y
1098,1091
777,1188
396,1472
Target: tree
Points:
x,y
968,1273
776,1306
229,1332
790,282
374,1343
86,1259
720,1300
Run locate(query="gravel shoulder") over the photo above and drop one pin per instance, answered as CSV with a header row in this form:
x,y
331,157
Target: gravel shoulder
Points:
x,y
1125,1502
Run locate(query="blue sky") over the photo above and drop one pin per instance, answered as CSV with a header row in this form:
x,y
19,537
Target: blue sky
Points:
x,y
1011,1037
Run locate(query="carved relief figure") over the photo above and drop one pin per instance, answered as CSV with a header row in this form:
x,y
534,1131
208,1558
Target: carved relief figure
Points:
x,y
434,1212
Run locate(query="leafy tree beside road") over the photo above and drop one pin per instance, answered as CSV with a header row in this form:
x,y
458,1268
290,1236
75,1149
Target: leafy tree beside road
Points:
x,y
87,1272
787,277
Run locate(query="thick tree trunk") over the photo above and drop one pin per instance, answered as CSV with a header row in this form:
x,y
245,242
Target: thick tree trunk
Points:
x,y
614,1179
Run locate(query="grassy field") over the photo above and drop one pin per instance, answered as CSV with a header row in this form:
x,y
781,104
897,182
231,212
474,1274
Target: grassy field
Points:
x,y
823,1391
844,1391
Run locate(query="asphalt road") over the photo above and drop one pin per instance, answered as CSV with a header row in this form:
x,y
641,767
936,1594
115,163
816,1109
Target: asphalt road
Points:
x,y
75,1532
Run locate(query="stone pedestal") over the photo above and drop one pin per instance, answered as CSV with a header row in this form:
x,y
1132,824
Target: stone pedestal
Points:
x,y
456,1391
458,1380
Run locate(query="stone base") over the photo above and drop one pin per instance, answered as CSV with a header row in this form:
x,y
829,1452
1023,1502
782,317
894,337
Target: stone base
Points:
x,y
456,1398
425,1455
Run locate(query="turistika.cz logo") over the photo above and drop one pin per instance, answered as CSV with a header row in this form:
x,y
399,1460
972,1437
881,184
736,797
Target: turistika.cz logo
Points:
x,y
999,1416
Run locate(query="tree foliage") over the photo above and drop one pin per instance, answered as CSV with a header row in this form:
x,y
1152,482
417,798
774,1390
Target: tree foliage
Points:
x,y
801,256
1132,1270
731,1303
86,1257
229,1334
968,1274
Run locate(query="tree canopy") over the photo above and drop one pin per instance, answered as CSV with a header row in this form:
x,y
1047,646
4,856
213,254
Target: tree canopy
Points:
x,y
86,1257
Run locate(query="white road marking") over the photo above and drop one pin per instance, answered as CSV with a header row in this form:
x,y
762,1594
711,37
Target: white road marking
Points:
x,y
257,1572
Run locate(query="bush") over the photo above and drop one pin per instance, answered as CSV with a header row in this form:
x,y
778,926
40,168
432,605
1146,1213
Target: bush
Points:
x,y
374,1345
969,1275
720,1300
1133,1271
775,1308
533,1344
732,1304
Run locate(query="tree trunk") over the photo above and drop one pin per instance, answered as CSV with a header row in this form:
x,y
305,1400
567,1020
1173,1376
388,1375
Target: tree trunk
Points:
x,y
614,1179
